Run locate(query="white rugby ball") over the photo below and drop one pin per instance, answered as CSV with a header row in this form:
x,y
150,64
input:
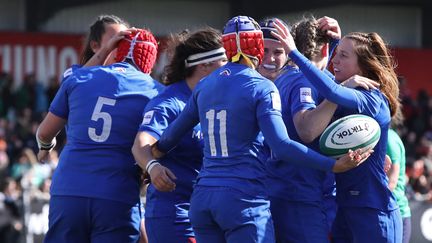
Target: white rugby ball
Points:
x,y
349,132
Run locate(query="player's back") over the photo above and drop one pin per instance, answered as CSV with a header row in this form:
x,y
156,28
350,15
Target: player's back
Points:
x,y
228,105
103,107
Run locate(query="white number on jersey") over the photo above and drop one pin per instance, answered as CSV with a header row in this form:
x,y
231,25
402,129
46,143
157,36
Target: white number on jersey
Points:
x,y
105,116
221,116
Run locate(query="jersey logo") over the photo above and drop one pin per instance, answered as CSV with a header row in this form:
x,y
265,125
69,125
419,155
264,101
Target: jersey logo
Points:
x,y
225,72
147,117
119,69
67,73
276,101
306,95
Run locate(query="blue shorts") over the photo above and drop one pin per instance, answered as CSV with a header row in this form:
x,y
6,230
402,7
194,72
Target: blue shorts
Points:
x,y
330,209
299,221
359,224
169,230
82,219
224,214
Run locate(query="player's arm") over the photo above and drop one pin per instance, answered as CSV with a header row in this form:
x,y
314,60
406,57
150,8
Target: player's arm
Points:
x,y
311,123
293,152
187,119
101,55
394,157
274,130
161,177
332,29
325,85
54,121
46,133
159,113
393,173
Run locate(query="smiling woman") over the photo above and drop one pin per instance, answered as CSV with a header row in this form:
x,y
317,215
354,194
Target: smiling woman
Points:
x,y
364,198
275,58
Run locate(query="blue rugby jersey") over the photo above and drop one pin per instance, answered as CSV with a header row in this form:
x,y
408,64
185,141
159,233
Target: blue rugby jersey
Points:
x,y
184,160
233,104
103,107
288,181
366,185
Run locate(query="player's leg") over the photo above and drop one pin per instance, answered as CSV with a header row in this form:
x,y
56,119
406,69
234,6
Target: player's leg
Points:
x,y
143,232
242,217
299,221
341,233
69,220
169,230
406,227
115,221
201,215
373,225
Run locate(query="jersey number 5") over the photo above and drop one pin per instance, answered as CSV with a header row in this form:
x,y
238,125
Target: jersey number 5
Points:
x,y
105,116
221,116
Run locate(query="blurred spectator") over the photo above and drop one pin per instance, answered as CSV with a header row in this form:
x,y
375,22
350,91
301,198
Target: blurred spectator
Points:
x,y
420,181
4,159
23,164
6,96
53,86
11,223
31,95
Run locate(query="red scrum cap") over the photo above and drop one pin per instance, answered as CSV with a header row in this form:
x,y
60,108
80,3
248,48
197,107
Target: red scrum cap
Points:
x,y
242,36
141,48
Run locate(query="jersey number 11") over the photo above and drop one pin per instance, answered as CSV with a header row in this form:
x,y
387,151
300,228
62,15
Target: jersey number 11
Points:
x,y
221,116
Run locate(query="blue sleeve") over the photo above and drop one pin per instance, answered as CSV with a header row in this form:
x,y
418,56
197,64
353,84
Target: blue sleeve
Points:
x,y
187,119
303,97
158,115
60,104
328,73
335,93
275,133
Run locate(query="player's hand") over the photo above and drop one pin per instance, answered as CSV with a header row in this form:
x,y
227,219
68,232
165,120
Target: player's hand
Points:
x,y
112,43
162,178
387,164
284,36
360,81
351,160
43,155
331,26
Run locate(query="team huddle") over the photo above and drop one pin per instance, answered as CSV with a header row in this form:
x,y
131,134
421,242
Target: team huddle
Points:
x,y
229,143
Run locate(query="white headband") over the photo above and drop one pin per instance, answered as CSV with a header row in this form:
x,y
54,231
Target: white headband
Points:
x,y
205,57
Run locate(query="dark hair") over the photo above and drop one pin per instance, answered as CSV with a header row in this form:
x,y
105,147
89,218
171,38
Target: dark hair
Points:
x,y
97,29
308,37
267,25
376,63
185,44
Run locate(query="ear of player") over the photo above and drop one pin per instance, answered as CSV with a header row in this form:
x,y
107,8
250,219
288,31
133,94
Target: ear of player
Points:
x,y
242,36
141,48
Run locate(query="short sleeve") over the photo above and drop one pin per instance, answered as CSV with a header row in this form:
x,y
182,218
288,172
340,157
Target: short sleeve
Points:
x,y
60,103
158,115
303,97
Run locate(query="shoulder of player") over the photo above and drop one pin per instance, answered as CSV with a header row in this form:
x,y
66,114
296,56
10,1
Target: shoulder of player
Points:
x,y
170,96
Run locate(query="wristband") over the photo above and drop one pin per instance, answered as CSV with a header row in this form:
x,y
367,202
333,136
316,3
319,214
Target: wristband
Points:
x,y
149,163
44,145
152,165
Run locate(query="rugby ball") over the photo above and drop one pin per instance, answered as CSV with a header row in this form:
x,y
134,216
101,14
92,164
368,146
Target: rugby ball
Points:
x,y
349,132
